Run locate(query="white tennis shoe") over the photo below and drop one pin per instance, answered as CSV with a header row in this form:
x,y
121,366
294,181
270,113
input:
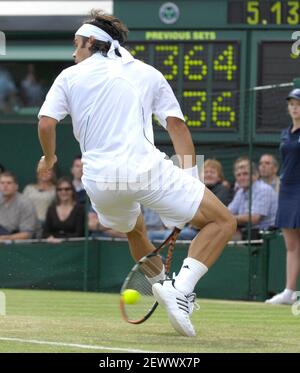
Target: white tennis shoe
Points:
x,y
178,306
282,298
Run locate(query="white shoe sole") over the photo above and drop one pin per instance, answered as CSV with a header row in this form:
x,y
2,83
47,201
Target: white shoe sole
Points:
x,y
157,290
287,303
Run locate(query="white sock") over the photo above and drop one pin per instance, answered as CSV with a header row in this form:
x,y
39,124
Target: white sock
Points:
x,y
190,273
288,293
160,276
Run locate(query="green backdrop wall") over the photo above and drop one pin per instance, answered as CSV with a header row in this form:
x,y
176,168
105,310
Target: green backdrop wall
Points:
x,y
243,272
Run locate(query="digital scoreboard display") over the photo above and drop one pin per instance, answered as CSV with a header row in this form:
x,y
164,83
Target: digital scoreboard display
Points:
x,y
204,75
264,12
275,66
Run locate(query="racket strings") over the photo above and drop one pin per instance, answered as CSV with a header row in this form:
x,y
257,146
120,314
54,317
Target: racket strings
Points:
x,y
140,280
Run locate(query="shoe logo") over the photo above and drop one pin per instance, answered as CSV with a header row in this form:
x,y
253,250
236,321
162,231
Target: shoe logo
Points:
x,y
186,266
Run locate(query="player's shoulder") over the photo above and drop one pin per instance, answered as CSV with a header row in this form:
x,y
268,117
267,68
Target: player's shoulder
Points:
x,y
142,66
70,70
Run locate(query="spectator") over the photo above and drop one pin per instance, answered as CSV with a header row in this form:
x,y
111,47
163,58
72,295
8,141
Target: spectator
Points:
x,y
98,230
264,200
155,228
42,193
32,92
7,91
240,163
157,231
65,217
18,220
268,168
214,179
76,171
288,214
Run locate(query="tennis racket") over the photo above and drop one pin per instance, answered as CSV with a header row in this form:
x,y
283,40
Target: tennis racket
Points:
x,y
140,303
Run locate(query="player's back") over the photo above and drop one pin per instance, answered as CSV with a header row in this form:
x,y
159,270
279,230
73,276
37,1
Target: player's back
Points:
x,y
111,109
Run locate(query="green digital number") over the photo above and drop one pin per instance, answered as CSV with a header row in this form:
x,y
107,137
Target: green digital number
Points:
x,y
169,61
196,107
224,62
137,50
220,108
276,8
253,11
293,11
192,61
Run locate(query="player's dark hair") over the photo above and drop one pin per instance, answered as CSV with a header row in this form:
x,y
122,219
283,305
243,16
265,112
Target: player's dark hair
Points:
x,y
110,24
78,156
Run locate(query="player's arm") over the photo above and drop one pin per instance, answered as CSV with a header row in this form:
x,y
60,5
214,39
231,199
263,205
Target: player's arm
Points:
x,y
54,109
47,137
167,110
182,141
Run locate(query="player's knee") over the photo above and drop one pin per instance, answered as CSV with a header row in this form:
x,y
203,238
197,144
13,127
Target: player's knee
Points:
x,y
230,225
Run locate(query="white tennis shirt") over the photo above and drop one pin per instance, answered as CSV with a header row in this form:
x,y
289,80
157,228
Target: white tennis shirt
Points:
x,y
111,106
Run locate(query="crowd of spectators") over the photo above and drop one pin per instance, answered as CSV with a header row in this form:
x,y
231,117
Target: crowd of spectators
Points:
x,y
56,209
49,208
29,91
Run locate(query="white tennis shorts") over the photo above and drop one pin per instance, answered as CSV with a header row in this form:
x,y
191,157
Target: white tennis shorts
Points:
x,y
167,189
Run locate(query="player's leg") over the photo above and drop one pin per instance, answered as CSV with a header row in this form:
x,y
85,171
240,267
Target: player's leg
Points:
x,y
292,243
140,246
138,241
191,202
217,226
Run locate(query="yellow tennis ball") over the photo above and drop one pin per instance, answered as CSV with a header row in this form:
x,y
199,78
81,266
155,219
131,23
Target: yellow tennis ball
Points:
x,y
130,296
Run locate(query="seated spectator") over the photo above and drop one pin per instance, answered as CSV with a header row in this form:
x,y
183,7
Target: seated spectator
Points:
x,y
240,163
76,171
155,227
8,91
264,200
42,193
32,91
214,179
157,231
18,220
98,230
268,168
65,218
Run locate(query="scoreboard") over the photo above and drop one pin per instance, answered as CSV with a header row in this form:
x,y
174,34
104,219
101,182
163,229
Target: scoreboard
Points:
x,y
203,76
264,12
213,53
204,70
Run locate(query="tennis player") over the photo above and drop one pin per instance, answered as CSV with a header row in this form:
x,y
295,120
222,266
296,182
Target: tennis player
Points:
x,y
111,97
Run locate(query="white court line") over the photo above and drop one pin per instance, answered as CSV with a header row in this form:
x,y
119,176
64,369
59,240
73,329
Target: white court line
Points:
x,y
62,344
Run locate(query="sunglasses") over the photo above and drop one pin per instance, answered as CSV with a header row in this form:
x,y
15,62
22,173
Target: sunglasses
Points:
x,y
63,189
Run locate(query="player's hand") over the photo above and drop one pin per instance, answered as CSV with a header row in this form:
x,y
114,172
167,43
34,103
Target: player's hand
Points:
x,y
46,164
